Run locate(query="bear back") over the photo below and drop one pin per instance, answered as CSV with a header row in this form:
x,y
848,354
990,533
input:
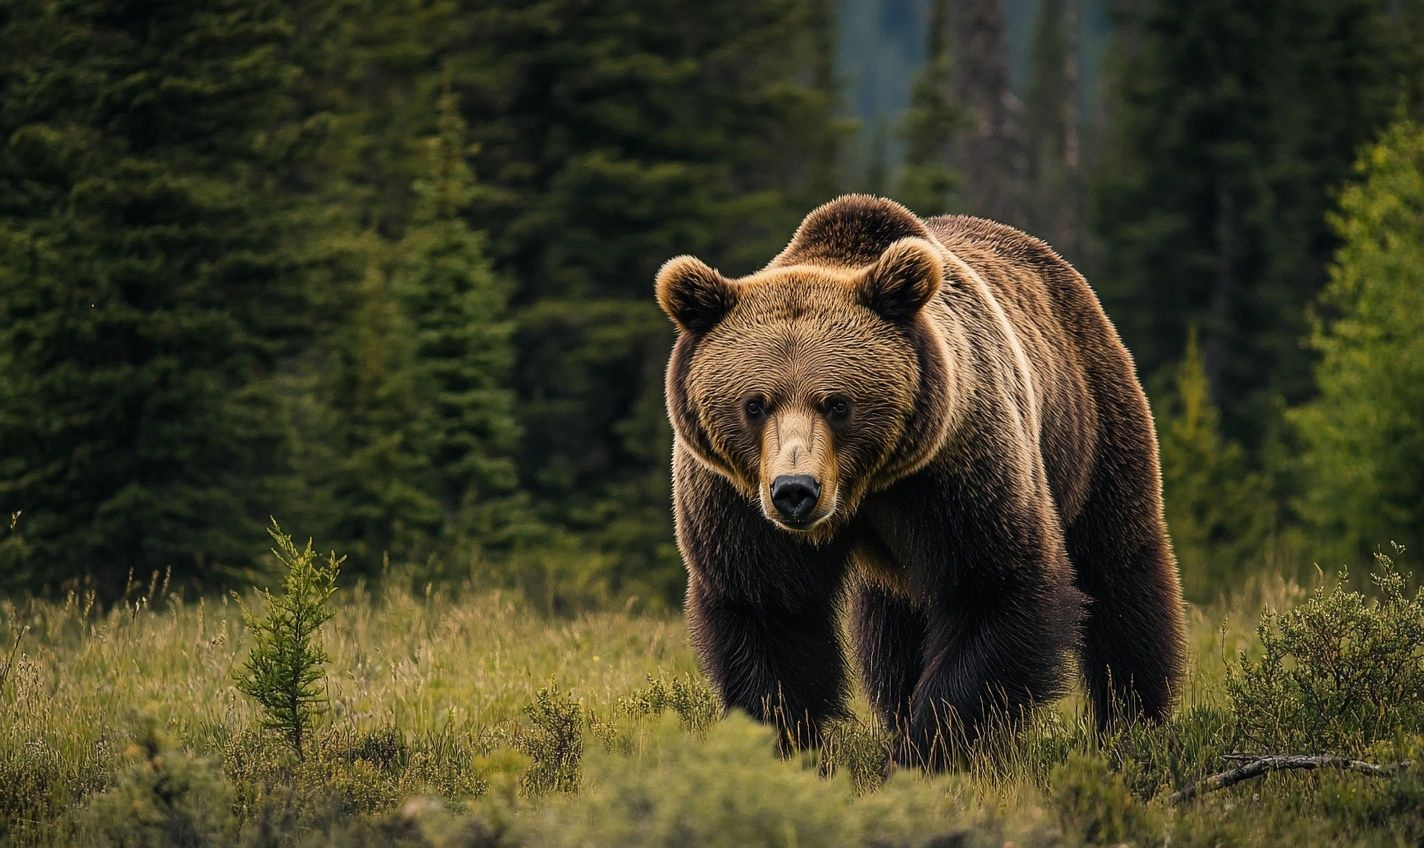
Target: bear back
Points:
x,y
850,231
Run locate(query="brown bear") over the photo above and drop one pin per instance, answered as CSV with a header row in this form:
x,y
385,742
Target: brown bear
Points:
x,y
933,424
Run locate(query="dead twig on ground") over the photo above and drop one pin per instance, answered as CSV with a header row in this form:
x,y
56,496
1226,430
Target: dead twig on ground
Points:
x,y
1255,765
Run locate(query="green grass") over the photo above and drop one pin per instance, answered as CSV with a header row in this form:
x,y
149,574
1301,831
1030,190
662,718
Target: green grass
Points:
x,y
463,718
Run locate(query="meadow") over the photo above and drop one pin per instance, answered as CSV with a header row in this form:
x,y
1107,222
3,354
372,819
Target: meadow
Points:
x,y
471,716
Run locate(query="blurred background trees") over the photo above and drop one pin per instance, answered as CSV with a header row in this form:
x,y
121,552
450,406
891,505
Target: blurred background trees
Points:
x,y
383,269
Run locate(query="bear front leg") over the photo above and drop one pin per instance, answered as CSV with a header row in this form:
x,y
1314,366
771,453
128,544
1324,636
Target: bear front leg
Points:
x,y
761,607
889,633
784,666
994,652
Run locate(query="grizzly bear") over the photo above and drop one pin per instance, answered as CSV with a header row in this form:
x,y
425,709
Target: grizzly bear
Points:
x,y
931,425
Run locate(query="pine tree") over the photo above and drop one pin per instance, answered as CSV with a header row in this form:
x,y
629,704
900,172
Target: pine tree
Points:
x,y
1362,443
990,157
378,468
463,355
380,70
153,283
1218,511
285,669
606,143
1051,130
927,179
1234,123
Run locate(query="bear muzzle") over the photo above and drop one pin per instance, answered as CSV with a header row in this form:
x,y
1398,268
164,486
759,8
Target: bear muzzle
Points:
x,y
798,470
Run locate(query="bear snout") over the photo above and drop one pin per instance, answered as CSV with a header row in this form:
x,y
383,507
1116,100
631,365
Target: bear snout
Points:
x,y
795,496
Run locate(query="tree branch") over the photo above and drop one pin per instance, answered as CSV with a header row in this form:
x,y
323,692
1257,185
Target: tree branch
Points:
x,y
1253,765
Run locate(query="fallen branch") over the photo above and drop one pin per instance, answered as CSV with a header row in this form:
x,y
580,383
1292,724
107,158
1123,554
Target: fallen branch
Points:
x,y
1253,765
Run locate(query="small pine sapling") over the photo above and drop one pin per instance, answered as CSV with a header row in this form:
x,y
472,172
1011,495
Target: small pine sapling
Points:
x,y
285,670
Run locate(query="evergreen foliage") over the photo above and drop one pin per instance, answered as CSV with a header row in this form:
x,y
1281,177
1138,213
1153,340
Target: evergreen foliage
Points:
x,y
376,463
1233,125
153,282
285,670
384,268
247,267
1362,444
1219,511
607,143
927,179
462,348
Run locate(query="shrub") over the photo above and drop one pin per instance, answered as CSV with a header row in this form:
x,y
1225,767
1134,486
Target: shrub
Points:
x,y
690,697
164,799
1157,758
1095,807
1338,673
861,751
729,788
553,740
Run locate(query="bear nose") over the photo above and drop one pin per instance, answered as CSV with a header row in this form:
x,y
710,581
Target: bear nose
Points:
x,y
795,495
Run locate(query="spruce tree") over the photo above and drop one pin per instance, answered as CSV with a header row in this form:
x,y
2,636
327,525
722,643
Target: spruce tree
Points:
x,y
607,143
1051,130
152,283
1233,124
462,353
927,179
1362,444
378,467
1218,510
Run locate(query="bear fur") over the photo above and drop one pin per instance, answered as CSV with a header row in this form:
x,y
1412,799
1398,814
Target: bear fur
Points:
x,y
982,465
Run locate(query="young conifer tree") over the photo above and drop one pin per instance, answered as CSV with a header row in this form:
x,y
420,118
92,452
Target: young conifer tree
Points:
x,y
285,670
1362,438
1218,511
462,350
378,466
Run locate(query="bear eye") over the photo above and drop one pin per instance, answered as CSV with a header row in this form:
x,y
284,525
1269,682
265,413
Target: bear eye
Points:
x,y
755,407
837,407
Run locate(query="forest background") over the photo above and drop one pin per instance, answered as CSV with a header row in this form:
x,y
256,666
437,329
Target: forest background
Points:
x,y
383,270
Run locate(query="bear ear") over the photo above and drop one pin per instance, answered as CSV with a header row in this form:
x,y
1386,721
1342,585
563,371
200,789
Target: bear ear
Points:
x,y
693,294
903,279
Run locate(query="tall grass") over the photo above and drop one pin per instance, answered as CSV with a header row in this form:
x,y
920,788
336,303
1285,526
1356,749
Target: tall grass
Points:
x,y
461,717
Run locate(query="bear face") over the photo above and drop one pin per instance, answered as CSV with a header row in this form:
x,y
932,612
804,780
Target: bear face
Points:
x,y
806,385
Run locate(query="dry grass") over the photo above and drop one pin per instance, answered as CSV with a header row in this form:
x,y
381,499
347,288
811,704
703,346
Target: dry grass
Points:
x,y
457,717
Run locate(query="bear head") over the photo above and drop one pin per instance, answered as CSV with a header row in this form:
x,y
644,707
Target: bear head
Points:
x,y
823,376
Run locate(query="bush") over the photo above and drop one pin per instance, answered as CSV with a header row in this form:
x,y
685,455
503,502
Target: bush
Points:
x,y
690,697
1095,806
164,799
729,788
1338,673
553,740
1153,759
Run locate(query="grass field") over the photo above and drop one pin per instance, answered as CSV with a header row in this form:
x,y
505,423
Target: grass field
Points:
x,y
462,718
